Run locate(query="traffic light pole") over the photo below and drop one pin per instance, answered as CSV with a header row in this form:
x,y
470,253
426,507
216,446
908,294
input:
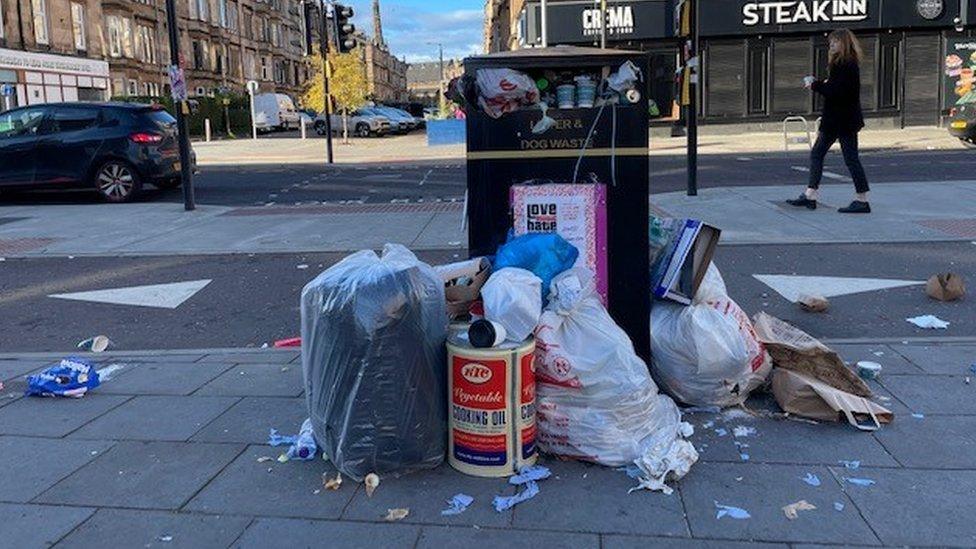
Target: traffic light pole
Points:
x,y
692,115
186,171
324,50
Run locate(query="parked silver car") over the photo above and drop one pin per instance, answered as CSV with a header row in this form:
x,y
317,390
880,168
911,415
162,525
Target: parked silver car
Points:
x,y
362,123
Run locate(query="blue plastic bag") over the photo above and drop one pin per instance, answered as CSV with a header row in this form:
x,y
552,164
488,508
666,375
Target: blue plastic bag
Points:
x,y
72,377
544,254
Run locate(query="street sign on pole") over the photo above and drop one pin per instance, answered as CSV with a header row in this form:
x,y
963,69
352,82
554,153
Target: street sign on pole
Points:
x,y
7,91
252,88
186,170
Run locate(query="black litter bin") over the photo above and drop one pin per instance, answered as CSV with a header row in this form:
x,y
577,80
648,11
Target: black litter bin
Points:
x,y
504,151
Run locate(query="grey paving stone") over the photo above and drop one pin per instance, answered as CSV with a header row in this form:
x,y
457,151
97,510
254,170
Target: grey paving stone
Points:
x,y
932,442
940,359
642,542
128,528
425,494
29,526
712,438
763,491
785,441
162,378
933,394
247,487
918,507
173,418
267,356
439,537
54,417
11,369
294,533
570,502
257,380
891,362
249,420
154,358
143,475
30,465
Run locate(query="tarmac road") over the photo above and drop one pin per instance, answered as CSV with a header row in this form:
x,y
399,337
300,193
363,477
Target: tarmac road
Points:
x,y
254,299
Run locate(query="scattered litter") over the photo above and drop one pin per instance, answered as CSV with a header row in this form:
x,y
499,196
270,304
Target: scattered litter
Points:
x,y
738,479
868,370
393,515
457,505
303,266
701,410
454,243
879,353
501,503
743,456
108,372
528,474
731,512
721,432
332,483
859,481
283,458
263,459
929,322
792,509
371,481
813,303
737,414
838,506
918,415
165,539
316,492
95,344
72,377
632,471
811,479
945,287
743,431
851,465
94,452
807,396
708,425
301,446
288,342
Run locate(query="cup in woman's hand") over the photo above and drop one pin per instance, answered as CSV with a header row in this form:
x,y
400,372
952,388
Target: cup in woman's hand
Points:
x,y
808,81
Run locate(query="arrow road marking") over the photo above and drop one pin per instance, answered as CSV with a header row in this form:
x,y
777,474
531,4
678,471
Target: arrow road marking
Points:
x,y
161,296
792,287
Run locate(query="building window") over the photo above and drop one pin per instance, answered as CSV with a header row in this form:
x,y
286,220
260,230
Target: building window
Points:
x,y
791,62
40,21
724,75
192,6
232,15
758,70
250,70
265,68
248,24
133,87
201,53
78,26
888,73
1,20
222,12
146,44
201,91
203,9
116,35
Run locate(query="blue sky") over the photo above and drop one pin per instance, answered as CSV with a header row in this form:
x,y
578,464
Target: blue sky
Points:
x,y
408,26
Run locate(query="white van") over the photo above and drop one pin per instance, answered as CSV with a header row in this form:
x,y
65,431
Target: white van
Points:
x,y
275,111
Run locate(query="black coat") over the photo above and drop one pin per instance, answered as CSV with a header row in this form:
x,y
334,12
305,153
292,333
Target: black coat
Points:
x,y
842,100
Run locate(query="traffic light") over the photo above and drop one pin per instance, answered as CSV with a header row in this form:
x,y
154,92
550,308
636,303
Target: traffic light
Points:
x,y
345,42
310,14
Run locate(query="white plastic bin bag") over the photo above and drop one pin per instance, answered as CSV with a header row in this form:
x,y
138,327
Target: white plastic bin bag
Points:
x,y
374,360
513,298
707,353
595,398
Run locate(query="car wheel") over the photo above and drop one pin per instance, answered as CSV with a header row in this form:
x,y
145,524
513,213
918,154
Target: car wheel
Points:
x,y
362,129
319,127
968,143
117,181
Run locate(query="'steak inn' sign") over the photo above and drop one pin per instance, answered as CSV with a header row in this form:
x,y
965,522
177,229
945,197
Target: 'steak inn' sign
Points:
x,y
790,12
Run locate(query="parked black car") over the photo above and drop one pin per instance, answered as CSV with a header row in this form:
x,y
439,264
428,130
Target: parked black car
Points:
x,y
113,148
962,123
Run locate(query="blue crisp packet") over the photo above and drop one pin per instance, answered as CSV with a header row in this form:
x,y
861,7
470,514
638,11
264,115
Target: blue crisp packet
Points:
x,y
72,377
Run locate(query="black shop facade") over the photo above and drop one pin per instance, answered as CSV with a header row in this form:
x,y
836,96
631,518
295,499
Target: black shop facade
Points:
x,y
755,54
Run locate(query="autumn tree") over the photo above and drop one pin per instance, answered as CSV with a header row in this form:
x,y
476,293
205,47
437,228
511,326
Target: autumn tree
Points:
x,y
347,85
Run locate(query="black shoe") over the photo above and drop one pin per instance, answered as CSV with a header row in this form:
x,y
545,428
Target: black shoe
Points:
x,y
856,207
803,202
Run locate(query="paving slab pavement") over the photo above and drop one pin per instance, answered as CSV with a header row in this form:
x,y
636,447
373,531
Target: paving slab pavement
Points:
x,y
144,466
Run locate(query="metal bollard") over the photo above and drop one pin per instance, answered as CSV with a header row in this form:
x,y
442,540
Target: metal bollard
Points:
x,y
302,121
206,129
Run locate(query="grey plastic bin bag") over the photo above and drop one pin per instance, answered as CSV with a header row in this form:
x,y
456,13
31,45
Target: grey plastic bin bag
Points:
x,y
373,356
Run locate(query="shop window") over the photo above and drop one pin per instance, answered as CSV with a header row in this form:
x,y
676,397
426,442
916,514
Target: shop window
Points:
x,y
724,72
791,62
888,74
869,74
90,94
758,69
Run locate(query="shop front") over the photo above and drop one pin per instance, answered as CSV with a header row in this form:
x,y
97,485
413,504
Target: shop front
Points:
x,y
28,78
756,53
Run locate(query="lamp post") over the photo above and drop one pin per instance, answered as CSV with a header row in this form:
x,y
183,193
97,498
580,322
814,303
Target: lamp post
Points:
x,y
544,8
442,104
186,174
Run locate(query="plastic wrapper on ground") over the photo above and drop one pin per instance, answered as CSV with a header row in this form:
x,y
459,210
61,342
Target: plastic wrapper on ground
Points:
x,y
595,399
373,355
707,354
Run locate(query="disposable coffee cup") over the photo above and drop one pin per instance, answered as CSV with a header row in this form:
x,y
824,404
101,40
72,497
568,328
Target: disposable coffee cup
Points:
x,y
566,96
808,80
868,370
484,334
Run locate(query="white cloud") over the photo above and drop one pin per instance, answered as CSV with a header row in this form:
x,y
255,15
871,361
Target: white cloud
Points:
x,y
413,32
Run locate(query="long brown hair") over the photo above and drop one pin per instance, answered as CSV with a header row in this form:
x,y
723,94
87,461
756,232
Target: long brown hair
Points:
x,y
849,51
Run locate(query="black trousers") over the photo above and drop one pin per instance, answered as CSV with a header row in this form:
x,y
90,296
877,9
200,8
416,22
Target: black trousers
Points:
x,y
848,145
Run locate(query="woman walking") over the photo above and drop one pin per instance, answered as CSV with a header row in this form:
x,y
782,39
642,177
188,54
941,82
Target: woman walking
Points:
x,y
842,119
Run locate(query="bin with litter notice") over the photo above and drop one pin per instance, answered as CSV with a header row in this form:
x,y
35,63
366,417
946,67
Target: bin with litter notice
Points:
x,y
594,140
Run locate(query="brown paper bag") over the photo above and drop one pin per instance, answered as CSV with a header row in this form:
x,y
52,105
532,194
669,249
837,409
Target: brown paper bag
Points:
x,y
460,296
794,349
946,287
805,396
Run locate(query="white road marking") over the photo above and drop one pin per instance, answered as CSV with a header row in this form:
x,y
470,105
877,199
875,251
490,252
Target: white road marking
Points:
x,y
426,175
792,287
162,296
827,174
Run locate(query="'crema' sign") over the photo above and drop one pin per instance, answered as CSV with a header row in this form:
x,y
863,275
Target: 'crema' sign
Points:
x,y
788,12
619,20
